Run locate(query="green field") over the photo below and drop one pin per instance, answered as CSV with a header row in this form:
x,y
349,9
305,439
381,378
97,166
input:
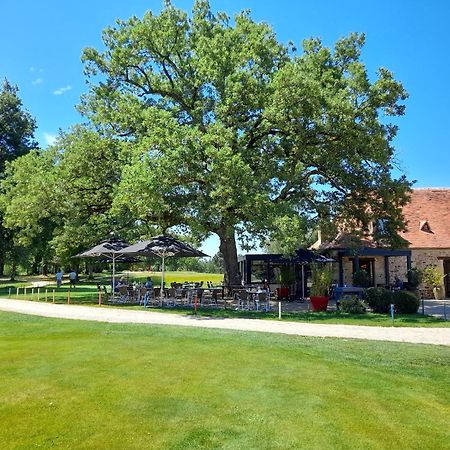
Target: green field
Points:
x,y
84,385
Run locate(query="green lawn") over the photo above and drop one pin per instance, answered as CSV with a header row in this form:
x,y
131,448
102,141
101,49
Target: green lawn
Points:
x,y
85,385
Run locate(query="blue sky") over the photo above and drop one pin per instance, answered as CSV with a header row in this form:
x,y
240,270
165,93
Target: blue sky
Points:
x,y
42,41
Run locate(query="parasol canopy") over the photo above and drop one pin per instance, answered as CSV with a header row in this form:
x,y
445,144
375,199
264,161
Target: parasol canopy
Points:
x,y
110,249
164,247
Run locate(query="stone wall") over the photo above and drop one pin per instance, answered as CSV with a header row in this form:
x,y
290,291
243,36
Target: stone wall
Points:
x,y
420,258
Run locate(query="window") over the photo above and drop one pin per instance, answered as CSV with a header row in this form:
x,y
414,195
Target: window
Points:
x,y
368,265
258,271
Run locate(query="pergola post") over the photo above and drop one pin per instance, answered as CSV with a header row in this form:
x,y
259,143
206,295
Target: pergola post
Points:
x,y
386,271
357,266
408,262
341,270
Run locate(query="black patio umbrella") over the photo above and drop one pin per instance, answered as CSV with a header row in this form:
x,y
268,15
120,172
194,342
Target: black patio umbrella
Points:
x,y
110,249
304,257
163,247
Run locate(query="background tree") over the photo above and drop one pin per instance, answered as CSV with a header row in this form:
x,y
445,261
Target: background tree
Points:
x,y
235,134
16,138
58,201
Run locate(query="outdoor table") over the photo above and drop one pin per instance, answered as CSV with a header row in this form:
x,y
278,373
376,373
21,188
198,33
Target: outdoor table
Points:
x,y
254,293
347,290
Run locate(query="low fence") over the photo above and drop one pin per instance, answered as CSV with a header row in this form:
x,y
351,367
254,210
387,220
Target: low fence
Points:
x,y
53,295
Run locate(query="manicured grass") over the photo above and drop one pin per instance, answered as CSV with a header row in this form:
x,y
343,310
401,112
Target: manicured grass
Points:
x,y
176,277
105,279
73,384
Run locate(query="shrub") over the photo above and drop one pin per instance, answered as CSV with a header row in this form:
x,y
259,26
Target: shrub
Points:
x,y
405,302
361,278
432,277
379,299
352,304
414,278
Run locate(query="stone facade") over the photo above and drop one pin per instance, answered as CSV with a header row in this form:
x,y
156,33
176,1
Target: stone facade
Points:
x,y
420,258
427,235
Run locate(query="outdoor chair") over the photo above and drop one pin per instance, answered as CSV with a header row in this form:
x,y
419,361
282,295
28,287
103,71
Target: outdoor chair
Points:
x,y
217,295
143,295
263,298
123,294
242,298
180,295
170,297
132,294
208,298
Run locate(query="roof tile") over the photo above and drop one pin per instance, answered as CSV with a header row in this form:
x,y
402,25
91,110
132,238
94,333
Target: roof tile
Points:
x,y
431,206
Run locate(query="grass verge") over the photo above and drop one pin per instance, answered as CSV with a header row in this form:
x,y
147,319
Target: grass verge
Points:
x,y
71,384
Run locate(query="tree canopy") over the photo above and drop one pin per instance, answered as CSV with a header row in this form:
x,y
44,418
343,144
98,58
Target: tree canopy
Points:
x,y
16,126
16,139
236,133
222,129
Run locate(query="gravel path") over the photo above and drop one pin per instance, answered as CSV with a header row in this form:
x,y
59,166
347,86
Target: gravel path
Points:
x,y
436,336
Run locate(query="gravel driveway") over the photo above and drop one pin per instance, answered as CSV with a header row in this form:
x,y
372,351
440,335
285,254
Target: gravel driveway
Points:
x,y
436,336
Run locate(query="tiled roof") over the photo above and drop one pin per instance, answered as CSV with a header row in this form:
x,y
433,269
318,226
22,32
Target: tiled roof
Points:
x,y
344,240
428,218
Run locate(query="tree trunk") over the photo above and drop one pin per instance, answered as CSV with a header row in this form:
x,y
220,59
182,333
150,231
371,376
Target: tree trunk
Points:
x,y
2,266
228,250
13,271
35,265
90,271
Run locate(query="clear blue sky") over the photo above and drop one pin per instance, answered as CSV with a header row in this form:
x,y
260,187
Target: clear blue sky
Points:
x,y
42,41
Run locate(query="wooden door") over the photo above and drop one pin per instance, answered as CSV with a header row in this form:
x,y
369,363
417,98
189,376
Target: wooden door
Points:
x,y
447,278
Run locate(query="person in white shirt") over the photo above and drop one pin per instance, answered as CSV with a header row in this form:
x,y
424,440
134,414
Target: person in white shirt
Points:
x,y
73,279
59,277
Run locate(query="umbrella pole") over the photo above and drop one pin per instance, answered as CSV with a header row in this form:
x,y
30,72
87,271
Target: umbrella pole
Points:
x,y
162,277
113,287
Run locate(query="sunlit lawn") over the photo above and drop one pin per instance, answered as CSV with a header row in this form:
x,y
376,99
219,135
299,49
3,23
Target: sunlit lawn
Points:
x,y
73,384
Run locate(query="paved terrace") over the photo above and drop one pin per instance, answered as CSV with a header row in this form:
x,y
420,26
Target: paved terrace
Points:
x,y
435,336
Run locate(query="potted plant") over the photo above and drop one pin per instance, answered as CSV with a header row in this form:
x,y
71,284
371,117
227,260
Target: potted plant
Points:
x,y
432,277
414,277
321,282
361,278
286,278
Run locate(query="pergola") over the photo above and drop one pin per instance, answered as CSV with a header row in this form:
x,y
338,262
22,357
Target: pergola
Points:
x,y
371,252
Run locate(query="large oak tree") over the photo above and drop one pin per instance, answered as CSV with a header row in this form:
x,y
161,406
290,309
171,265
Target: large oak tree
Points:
x,y
236,134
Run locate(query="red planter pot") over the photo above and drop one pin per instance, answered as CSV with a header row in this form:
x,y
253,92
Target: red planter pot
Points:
x,y
319,303
283,292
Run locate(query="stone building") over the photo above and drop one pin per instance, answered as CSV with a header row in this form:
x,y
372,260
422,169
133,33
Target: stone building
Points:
x,y
428,234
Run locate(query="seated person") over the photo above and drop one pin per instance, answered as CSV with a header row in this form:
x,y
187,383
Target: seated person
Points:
x,y
149,287
398,284
149,283
121,282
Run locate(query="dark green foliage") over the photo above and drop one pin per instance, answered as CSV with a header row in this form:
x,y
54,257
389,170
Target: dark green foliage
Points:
x,y
379,299
361,278
352,304
207,124
415,276
16,126
16,139
287,275
405,302
235,134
